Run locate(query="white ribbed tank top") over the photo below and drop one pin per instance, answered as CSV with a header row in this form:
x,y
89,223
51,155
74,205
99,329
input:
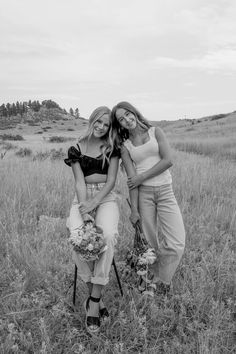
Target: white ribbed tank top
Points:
x,y
145,157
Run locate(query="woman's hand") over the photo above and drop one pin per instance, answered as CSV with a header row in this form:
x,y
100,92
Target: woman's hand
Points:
x,y
87,217
87,206
134,217
135,181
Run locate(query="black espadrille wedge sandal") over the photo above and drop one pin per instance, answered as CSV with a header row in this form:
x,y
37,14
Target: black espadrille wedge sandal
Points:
x,y
92,323
103,312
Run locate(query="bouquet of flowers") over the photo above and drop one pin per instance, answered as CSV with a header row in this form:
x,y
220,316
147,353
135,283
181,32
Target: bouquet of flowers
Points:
x,y
140,258
89,241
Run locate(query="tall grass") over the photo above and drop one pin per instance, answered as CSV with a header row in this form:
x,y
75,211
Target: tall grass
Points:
x,y
37,270
215,147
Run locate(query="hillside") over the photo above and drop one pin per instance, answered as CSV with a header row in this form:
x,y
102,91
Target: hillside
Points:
x,y
221,125
34,112
219,119
36,130
215,138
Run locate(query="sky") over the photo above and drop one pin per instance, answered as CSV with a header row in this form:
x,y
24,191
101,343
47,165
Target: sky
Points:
x,y
172,59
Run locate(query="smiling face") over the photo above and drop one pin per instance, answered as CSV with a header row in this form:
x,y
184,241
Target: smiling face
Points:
x,y
101,126
126,119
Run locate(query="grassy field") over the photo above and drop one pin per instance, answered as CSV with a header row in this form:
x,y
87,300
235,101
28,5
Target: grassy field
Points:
x,y
216,138
37,271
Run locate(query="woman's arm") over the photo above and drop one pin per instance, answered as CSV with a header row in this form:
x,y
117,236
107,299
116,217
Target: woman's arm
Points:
x,y
159,167
92,203
131,172
80,185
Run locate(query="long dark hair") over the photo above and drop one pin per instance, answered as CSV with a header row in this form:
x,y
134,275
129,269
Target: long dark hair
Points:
x,y
122,134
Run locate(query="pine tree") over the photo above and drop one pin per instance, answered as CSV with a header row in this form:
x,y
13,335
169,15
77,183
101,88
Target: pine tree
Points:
x,y
35,106
3,110
17,107
38,105
50,104
14,109
77,115
21,111
8,107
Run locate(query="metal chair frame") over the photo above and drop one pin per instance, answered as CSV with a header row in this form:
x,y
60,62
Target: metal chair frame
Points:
x,y
117,277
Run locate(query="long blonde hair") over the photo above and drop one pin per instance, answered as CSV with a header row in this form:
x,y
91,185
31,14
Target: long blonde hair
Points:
x,y
108,139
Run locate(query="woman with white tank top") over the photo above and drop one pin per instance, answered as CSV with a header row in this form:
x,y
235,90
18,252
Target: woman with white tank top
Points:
x,y
146,156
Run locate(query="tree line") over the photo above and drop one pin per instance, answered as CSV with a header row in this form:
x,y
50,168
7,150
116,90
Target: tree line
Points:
x,y
20,108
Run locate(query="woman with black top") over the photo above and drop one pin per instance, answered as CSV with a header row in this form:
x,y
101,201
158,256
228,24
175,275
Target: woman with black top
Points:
x,y
94,163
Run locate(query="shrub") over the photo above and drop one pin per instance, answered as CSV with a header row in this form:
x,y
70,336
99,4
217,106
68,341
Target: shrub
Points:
x,y
57,154
59,139
33,124
53,154
11,137
23,152
218,116
70,130
41,155
7,127
8,146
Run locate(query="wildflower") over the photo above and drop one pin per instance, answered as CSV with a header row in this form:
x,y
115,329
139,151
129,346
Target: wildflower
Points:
x,y
11,327
90,247
140,258
89,241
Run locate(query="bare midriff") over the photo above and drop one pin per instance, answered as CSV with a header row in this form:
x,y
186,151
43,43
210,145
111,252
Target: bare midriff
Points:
x,y
96,178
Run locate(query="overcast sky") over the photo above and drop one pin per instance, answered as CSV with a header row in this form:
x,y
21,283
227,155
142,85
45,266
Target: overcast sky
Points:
x,y
171,58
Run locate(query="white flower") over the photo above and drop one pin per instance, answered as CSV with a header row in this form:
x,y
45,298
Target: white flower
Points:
x,y
90,247
151,260
142,272
142,260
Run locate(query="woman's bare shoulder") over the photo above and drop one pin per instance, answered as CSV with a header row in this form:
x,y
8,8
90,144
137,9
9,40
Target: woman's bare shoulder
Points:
x,y
159,133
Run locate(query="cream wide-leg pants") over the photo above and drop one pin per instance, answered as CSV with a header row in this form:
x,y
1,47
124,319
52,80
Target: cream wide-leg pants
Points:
x,y
107,218
158,206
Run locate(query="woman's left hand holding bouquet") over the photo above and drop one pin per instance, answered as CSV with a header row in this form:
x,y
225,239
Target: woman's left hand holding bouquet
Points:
x,y
87,206
89,241
87,218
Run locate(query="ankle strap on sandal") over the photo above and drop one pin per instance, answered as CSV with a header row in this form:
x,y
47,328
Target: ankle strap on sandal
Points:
x,y
94,299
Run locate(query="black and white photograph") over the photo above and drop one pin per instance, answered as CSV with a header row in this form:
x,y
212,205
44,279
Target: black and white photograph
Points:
x,y
118,176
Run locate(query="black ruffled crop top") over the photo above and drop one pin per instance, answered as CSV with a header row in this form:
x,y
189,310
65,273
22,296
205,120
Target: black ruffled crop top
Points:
x,y
88,164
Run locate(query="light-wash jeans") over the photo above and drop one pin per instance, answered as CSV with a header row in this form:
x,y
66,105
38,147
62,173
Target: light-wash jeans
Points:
x,y
158,206
107,217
